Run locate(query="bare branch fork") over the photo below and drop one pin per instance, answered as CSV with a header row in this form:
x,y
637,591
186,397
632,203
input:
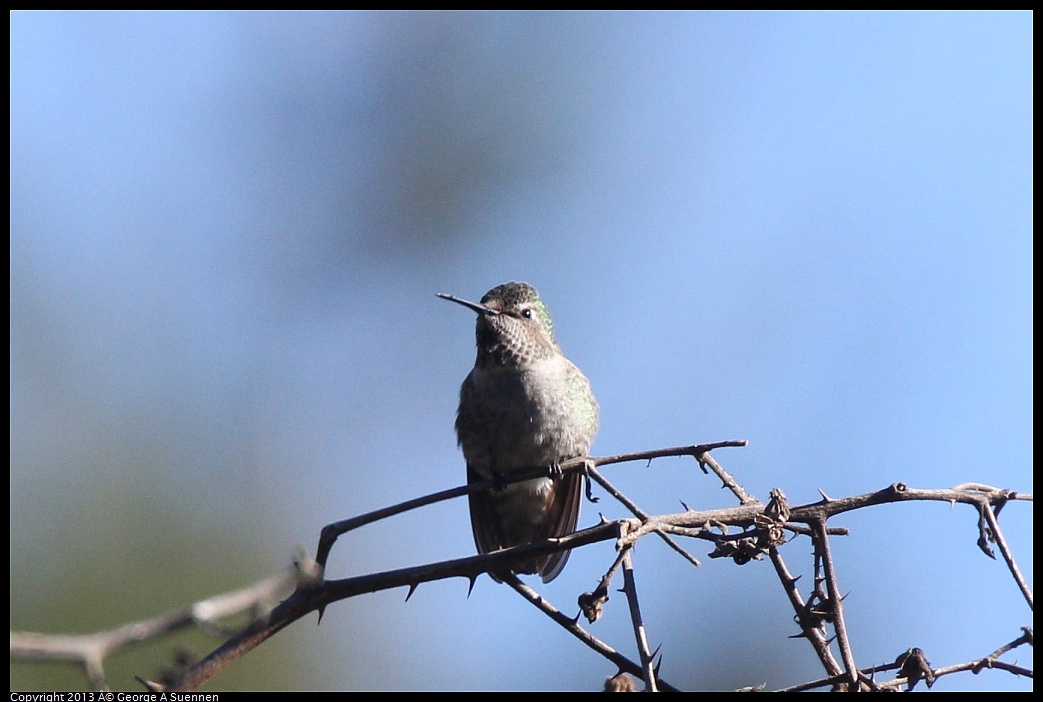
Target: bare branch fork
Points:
x,y
766,523
761,531
331,532
315,593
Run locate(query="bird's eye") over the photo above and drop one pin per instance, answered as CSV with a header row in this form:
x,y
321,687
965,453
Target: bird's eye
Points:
x,y
527,313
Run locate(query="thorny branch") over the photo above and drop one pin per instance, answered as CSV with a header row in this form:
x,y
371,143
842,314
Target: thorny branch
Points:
x,y
91,650
834,599
648,672
572,626
760,532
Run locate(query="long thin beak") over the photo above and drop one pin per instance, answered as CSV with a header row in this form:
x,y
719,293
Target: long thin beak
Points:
x,y
480,309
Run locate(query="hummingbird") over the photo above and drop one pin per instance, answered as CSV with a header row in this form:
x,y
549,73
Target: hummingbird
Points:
x,y
522,406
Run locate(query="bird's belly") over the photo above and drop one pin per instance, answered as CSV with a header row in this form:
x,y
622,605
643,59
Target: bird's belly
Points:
x,y
513,421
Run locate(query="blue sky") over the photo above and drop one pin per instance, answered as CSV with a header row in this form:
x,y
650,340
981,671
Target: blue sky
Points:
x,y
809,230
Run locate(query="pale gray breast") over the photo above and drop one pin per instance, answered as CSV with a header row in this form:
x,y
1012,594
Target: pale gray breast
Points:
x,y
520,418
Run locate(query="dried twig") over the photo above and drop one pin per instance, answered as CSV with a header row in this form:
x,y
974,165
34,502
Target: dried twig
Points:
x,y
743,532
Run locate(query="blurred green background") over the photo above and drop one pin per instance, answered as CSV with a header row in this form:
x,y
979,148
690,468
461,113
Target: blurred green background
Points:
x,y
811,230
